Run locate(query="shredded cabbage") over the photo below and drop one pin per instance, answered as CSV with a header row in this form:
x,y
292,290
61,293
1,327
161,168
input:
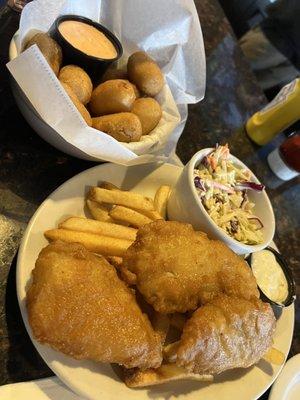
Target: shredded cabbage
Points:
x,y
217,182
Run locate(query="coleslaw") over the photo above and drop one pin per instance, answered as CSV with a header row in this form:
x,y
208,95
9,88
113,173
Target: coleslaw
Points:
x,y
222,187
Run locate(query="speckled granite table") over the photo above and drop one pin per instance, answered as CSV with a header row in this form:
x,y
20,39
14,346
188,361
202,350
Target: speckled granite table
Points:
x,y
30,170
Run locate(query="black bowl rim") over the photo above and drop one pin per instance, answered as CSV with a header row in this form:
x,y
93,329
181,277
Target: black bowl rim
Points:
x,y
111,36
289,277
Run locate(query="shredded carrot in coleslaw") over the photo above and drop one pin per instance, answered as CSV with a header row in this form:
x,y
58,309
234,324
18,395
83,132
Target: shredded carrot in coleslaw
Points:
x,y
222,188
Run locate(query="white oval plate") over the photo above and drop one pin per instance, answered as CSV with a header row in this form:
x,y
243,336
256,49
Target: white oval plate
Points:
x,y
98,381
287,385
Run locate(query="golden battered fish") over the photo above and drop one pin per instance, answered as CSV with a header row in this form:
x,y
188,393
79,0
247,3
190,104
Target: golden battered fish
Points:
x,y
227,333
78,305
178,269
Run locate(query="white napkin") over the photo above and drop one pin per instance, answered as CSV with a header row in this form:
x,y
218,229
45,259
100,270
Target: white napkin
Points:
x,y
168,30
41,389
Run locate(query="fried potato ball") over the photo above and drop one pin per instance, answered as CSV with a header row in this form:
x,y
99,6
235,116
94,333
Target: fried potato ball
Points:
x,y
111,97
80,107
113,72
50,49
149,112
78,80
124,127
145,73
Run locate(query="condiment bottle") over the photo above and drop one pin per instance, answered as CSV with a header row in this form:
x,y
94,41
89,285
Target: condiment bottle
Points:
x,y
283,111
285,160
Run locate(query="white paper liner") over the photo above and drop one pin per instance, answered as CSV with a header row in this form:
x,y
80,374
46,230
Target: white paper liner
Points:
x,y
168,30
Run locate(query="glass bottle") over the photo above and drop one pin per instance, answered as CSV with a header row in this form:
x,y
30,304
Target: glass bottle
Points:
x,y
285,160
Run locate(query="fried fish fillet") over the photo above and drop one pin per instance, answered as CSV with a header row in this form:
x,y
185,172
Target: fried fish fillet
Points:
x,y
227,333
78,305
178,269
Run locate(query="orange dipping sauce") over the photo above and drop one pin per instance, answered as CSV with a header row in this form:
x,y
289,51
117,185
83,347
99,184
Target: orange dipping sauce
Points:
x,y
87,39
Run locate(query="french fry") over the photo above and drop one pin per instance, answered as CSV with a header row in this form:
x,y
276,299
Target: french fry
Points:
x,y
115,261
169,351
108,186
130,216
98,211
126,275
98,244
153,214
161,200
165,373
274,356
99,228
118,197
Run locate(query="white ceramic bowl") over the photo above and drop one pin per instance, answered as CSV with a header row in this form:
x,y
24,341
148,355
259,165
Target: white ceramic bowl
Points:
x,y
184,205
149,144
36,122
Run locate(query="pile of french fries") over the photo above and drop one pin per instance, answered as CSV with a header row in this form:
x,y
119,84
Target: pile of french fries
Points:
x,y
117,214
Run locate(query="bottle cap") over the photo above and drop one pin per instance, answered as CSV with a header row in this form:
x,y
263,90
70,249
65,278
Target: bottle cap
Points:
x,y
279,167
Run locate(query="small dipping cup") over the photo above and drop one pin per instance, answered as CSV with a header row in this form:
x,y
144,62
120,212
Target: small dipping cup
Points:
x,y
288,276
94,66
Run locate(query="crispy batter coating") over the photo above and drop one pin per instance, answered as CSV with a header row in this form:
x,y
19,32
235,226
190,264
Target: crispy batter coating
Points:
x,y
78,305
179,269
227,333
